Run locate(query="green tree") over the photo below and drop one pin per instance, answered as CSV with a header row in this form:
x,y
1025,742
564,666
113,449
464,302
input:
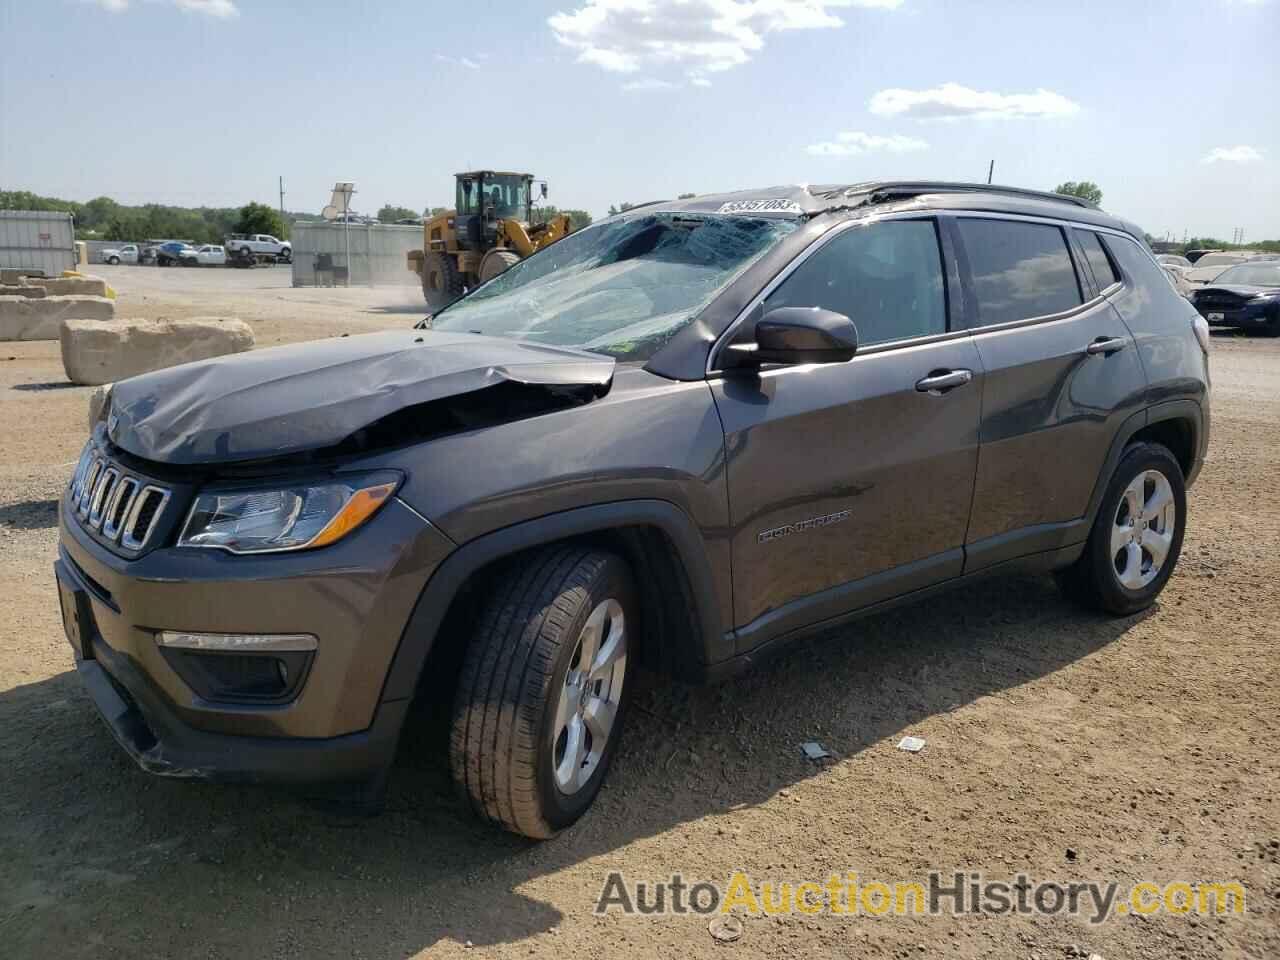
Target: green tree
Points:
x,y
623,208
686,196
577,218
259,218
390,214
1085,190
436,211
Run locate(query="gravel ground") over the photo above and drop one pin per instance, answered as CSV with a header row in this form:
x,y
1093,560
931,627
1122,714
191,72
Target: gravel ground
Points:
x,y
1061,745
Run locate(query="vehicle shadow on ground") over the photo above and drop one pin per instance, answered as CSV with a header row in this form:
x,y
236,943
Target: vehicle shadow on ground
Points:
x,y
29,515
46,385
93,837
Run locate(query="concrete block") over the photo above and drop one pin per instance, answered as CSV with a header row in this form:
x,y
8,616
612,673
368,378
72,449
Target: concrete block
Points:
x,y
29,318
76,287
99,398
97,353
10,276
25,290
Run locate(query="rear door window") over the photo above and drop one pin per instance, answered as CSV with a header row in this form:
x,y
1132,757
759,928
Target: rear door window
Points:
x,y
886,277
1104,272
1019,269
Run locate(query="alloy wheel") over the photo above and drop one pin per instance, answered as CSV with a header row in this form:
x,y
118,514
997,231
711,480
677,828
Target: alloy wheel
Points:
x,y
589,699
1143,528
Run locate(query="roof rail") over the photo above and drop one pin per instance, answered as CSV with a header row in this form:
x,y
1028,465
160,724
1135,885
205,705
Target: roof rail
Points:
x,y
880,191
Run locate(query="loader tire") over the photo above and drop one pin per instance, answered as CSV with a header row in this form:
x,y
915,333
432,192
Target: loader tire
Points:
x,y
495,262
441,284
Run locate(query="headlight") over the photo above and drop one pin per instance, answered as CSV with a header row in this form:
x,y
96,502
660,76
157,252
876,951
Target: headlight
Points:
x,y
285,518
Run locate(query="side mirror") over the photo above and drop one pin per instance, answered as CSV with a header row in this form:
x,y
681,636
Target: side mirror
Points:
x,y
795,335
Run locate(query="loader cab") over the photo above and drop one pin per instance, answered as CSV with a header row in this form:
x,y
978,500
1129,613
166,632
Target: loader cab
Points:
x,y
486,197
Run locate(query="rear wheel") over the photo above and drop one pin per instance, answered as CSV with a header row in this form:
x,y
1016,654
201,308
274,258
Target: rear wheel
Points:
x,y
1136,537
114,261
543,689
441,284
495,262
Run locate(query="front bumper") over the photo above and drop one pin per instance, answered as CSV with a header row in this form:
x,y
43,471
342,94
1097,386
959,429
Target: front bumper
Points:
x,y
356,597
1253,315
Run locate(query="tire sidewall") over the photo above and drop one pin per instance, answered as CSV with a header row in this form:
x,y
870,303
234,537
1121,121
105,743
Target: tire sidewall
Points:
x,y
560,810
1138,460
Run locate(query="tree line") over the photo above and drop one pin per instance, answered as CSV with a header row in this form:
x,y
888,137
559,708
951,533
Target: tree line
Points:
x,y
104,219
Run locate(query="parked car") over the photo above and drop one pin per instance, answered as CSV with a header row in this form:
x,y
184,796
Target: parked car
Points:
x,y
1173,260
174,253
1208,267
1178,278
209,255
259,245
126,254
730,422
1246,295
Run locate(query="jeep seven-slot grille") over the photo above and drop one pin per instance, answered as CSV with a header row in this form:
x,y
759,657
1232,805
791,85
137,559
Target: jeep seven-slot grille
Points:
x,y
121,507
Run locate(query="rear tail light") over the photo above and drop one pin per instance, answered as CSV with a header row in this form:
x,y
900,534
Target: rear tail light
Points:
x,y
1201,326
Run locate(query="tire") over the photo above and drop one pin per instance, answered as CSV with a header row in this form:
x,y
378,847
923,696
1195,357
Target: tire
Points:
x,y
496,262
286,256
441,283
1118,572
114,261
246,252
521,706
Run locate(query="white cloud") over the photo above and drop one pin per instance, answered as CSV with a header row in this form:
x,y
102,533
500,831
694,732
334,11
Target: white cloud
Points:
x,y
648,83
1240,154
459,61
698,37
851,143
219,9
951,100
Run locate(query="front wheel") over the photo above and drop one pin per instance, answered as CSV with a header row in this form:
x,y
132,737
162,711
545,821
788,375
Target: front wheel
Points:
x,y
543,689
1136,537
114,261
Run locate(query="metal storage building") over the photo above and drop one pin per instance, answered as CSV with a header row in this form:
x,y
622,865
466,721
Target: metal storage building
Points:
x,y
37,240
378,251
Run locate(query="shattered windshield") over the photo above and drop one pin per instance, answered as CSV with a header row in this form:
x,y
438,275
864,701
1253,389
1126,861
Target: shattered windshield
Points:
x,y
623,287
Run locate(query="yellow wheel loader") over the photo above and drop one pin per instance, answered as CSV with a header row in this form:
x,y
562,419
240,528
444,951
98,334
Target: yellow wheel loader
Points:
x,y
490,228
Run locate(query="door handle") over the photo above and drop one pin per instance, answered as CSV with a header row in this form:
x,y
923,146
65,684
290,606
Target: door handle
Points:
x,y
941,381
1107,345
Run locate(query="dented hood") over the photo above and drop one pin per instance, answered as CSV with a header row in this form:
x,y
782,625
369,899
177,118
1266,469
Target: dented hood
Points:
x,y
284,400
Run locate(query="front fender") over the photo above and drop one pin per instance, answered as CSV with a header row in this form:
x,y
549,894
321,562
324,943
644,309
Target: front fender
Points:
x,y
424,623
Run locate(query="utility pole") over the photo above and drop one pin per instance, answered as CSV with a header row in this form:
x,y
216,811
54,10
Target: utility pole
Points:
x,y
991,169
282,197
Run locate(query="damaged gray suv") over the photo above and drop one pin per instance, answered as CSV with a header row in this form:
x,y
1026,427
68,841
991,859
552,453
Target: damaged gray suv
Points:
x,y
680,438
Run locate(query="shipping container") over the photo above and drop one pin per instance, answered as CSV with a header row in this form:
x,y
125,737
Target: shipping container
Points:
x,y
378,252
36,240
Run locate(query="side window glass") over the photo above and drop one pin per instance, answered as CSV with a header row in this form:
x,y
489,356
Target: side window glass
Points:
x,y
1150,281
1019,269
886,277
1104,273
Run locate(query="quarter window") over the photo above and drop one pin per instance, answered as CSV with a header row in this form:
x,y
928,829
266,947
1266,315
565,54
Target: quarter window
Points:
x,y
1019,269
1104,273
886,277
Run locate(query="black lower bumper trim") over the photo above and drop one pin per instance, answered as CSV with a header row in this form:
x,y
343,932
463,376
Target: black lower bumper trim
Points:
x,y
160,744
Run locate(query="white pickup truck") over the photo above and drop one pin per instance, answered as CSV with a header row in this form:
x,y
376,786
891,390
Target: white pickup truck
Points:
x,y
260,246
126,254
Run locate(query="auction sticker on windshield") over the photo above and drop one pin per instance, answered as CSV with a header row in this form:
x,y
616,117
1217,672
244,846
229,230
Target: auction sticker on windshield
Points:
x,y
780,205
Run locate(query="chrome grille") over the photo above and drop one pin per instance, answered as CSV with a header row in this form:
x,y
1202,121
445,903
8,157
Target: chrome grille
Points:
x,y
123,508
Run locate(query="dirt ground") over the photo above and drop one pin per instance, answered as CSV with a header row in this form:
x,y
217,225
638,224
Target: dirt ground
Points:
x,y
1146,746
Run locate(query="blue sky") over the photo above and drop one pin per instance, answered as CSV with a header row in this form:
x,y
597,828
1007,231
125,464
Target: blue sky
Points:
x,y
1170,107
